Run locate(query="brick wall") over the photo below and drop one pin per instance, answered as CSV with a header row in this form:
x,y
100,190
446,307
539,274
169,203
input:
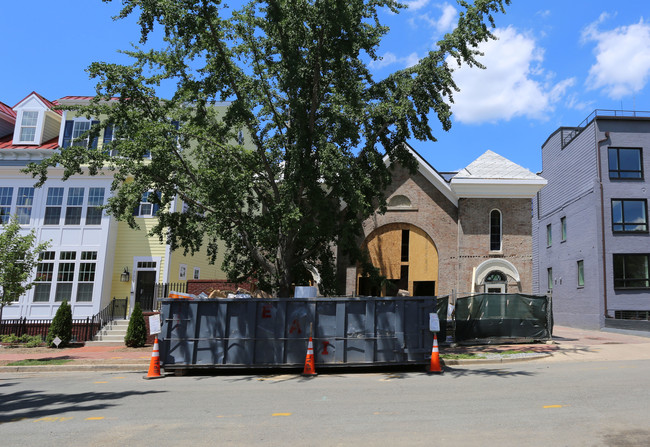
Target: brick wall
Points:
x,y
460,248
430,211
474,242
196,286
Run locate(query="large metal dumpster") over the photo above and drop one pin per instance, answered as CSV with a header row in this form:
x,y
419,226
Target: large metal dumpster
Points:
x,y
216,333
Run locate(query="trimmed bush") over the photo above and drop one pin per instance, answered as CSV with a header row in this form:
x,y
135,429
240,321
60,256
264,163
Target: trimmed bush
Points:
x,y
136,334
61,326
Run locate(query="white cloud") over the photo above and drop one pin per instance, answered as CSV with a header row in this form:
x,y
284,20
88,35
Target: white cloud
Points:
x,y
442,23
390,59
622,55
506,88
416,4
448,20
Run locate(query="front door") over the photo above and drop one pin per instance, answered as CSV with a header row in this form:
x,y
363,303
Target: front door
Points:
x,y
495,288
144,289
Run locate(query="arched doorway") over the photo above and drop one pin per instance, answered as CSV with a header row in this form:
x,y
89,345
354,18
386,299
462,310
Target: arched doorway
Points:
x,y
406,256
496,282
491,276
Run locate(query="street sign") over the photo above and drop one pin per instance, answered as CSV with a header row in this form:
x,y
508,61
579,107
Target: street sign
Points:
x,y
434,322
154,324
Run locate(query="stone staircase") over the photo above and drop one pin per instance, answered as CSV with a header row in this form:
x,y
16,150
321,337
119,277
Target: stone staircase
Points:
x,y
113,333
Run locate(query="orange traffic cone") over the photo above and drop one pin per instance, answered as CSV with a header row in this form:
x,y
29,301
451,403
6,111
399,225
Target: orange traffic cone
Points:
x,y
435,357
154,365
310,368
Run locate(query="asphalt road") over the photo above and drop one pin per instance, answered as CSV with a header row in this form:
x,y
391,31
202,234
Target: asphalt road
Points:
x,y
522,404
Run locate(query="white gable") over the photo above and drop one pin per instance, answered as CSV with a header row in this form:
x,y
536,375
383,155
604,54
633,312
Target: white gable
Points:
x,y
494,176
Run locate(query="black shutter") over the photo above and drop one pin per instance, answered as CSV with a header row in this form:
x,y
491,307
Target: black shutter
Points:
x,y
67,133
93,145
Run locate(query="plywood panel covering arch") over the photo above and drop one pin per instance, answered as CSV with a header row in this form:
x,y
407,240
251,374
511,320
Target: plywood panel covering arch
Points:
x,y
386,252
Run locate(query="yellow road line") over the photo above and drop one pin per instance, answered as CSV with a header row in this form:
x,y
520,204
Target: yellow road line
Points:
x,y
553,406
281,414
98,418
100,382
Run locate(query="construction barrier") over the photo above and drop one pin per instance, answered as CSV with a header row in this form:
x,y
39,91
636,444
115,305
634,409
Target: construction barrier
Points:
x,y
503,318
216,333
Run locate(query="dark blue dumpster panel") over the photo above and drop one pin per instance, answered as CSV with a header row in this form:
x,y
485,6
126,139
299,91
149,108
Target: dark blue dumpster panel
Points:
x,y
275,332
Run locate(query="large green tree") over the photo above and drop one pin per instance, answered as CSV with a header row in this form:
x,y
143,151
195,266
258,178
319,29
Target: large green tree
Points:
x,y
18,257
298,158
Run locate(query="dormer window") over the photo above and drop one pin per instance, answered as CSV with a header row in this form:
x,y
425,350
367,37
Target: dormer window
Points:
x,y
28,126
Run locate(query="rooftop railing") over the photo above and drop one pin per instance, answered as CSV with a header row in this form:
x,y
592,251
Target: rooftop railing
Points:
x,y
570,133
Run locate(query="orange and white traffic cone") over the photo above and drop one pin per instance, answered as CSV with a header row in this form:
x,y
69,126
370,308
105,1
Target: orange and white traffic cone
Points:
x,y
310,368
435,357
154,365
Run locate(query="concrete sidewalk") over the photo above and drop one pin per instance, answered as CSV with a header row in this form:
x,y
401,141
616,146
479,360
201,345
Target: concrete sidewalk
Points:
x,y
568,344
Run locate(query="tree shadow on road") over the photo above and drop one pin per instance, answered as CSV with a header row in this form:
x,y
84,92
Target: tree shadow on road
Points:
x,y
34,404
487,372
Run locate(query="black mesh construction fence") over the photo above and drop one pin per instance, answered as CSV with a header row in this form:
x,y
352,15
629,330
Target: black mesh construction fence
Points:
x,y
499,318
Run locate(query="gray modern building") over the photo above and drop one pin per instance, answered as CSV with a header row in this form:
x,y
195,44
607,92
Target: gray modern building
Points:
x,y
591,245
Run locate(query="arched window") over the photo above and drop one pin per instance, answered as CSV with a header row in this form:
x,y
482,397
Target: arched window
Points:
x,y
399,201
495,276
495,230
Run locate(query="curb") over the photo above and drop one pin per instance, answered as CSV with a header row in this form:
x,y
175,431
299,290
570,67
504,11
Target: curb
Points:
x,y
466,362
77,368
143,368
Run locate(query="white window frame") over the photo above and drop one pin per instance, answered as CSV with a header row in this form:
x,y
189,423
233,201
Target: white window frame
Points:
x,y
37,127
77,141
196,273
500,249
182,272
580,266
5,217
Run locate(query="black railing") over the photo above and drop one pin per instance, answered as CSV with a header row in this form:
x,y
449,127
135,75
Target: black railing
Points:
x,y
570,133
83,329
151,302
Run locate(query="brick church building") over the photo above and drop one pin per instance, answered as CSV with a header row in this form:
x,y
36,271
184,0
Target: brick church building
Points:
x,y
451,233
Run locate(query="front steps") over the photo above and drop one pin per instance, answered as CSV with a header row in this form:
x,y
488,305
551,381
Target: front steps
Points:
x,y
113,333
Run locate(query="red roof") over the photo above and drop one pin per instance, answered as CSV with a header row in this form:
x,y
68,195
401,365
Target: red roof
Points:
x,y
48,103
6,142
82,98
4,108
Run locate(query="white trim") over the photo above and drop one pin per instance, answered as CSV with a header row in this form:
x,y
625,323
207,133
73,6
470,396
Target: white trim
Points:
x,y
431,175
500,250
499,264
134,274
500,286
497,188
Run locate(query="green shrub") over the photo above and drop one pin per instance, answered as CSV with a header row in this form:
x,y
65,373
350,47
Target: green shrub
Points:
x,y
32,341
11,338
61,326
28,341
136,334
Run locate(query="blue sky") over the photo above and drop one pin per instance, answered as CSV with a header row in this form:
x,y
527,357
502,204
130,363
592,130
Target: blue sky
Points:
x,y
554,63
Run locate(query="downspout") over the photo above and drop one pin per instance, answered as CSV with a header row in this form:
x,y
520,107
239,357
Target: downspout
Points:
x,y
602,221
459,234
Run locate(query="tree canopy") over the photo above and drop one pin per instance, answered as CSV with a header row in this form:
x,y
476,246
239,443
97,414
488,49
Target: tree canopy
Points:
x,y
18,257
297,156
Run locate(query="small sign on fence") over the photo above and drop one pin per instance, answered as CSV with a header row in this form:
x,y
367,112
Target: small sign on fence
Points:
x,y
154,324
434,322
